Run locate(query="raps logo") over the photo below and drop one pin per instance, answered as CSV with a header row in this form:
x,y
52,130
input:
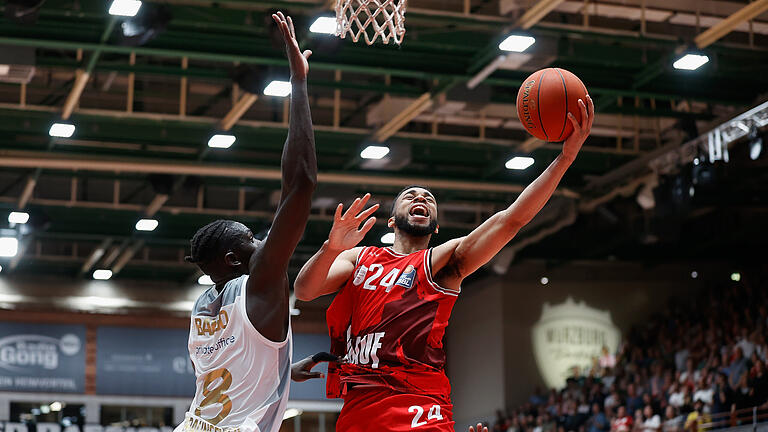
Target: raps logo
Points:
x,y
23,352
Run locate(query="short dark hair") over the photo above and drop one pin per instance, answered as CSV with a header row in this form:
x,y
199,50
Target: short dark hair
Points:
x,y
404,190
212,239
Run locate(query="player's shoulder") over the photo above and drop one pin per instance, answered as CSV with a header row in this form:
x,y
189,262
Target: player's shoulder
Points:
x,y
210,302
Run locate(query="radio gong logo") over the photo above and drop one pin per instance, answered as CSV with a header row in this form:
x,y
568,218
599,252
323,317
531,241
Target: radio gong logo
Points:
x,y
571,335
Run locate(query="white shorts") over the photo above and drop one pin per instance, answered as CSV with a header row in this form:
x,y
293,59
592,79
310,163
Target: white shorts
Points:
x,y
193,423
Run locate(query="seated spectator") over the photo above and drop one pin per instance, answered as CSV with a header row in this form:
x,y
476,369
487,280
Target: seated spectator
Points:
x,y
722,398
672,421
651,421
704,392
737,367
598,422
622,422
634,401
759,384
677,395
696,418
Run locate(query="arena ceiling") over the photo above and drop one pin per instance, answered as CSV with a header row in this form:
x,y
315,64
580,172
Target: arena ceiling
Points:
x,y
145,113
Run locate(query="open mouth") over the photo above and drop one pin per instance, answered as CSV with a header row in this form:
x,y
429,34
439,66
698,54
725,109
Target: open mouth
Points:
x,y
419,210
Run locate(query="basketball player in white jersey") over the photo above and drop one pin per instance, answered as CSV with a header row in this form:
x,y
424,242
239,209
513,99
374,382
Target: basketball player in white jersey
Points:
x,y
240,334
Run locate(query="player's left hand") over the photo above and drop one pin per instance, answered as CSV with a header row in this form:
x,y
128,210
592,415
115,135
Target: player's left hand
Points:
x,y
573,143
299,61
302,369
480,428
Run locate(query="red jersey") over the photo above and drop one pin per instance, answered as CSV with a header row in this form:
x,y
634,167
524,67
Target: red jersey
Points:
x,y
389,321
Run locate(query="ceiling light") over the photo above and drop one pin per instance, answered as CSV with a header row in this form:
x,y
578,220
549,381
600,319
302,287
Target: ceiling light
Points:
x,y
517,43
735,276
694,274
205,280
324,25
18,218
102,274
222,141
146,224
62,130
45,409
544,280
388,238
291,412
374,152
127,8
56,406
278,88
519,163
5,69
9,247
755,148
690,62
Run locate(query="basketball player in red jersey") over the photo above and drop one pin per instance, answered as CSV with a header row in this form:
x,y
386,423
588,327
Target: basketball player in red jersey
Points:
x,y
393,303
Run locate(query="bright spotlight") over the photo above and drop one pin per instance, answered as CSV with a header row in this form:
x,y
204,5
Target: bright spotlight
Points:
x,y
690,62
324,25
222,141
146,224
544,280
735,276
56,406
278,88
388,238
374,152
205,280
519,163
9,247
694,274
755,148
517,43
18,218
61,130
126,8
102,274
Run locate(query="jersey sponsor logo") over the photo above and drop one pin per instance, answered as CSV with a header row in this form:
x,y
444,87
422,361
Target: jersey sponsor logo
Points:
x,y
210,349
360,275
364,349
209,326
406,279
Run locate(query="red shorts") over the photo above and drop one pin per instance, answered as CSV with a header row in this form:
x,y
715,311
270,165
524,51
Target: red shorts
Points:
x,y
384,410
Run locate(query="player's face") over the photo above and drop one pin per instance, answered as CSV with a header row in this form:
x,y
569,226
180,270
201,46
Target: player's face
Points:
x,y
415,212
240,253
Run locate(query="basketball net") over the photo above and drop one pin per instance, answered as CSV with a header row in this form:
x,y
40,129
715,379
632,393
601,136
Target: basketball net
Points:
x,y
371,19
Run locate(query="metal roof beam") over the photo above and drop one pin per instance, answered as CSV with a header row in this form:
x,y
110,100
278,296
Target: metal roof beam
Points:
x,y
748,12
23,159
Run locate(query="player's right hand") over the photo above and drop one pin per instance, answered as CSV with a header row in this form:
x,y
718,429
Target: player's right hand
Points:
x,y
299,61
346,232
480,428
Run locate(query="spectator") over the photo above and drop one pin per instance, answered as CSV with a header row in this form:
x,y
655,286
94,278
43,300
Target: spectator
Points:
x,y
722,400
651,421
696,418
598,422
607,359
672,421
634,402
622,422
759,383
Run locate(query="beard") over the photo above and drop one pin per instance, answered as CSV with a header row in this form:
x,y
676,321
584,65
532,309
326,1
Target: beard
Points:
x,y
401,222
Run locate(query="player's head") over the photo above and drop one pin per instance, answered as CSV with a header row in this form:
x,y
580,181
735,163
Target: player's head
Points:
x,y
222,249
414,212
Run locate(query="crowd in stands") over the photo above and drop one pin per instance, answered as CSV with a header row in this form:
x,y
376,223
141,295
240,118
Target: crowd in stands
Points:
x,y
684,370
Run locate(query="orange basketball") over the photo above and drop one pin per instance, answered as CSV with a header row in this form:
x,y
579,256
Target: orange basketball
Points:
x,y
544,100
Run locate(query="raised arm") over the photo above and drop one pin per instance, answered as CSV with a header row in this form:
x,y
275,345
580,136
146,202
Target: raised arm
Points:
x,y
329,268
455,260
269,263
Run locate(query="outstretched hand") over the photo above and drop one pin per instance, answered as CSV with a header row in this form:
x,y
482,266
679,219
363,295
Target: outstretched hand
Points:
x,y
302,369
480,428
573,143
346,232
299,61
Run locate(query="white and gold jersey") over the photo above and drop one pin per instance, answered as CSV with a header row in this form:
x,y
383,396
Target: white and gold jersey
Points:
x,y
243,378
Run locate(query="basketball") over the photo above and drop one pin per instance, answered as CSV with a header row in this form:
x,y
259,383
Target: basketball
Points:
x,y
544,100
